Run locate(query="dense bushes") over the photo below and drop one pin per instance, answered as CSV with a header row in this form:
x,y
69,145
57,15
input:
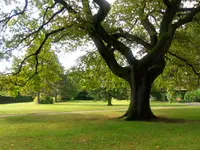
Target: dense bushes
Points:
x,y
83,95
46,100
158,96
17,99
175,96
171,96
192,96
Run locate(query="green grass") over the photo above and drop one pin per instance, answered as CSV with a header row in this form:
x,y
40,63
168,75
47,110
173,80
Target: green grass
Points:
x,y
24,108
101,131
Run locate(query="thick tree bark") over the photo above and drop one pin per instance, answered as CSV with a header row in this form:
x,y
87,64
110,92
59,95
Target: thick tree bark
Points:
x,y
38,98
141,83
109,101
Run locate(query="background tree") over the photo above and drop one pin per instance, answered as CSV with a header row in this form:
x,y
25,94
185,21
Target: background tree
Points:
x,y
98,80
45,81
67,89
149,26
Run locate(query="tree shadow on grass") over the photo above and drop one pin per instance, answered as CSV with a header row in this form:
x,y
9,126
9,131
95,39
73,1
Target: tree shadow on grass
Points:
x,y
164,119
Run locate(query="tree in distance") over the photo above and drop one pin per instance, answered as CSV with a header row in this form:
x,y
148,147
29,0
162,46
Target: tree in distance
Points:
x,y
149,27
98,80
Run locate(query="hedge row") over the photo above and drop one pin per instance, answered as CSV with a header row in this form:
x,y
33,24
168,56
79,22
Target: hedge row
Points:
x,y
17,99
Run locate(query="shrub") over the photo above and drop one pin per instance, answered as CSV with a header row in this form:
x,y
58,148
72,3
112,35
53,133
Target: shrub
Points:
x,y
179,95
46,100
171,96
83,95
158,96
192,96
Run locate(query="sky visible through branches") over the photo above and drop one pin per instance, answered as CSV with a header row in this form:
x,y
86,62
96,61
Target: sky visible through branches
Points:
x,y
67,59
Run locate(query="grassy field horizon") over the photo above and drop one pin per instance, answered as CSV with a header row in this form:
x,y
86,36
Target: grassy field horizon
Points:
x,y
75,105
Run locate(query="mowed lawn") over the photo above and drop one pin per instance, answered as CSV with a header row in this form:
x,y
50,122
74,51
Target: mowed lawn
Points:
x,y
24,108
178,128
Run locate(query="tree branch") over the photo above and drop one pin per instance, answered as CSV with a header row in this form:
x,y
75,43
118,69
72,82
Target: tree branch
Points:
x,y
104,8
47,10
169,14
132,38
98,18
150,29
36,55
7,19
187,18
167,3
185,9
64,4
186,62
108,56
42,26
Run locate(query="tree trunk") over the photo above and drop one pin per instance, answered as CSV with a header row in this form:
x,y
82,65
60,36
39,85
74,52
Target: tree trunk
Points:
x,y
109,101
141,83
55,96
38,97
139,108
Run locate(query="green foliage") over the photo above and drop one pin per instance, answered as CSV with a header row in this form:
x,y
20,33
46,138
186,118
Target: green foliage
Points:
x,y
83,95
46,100
171,96
17,99
49,71
103,94
93,75
158,96
67,87
6,99
192,96
178,74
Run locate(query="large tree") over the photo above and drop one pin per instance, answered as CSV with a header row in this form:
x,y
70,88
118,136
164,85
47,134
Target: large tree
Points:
x,y
148,26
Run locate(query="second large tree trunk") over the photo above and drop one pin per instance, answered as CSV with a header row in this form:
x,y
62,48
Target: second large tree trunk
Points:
x,y
141,83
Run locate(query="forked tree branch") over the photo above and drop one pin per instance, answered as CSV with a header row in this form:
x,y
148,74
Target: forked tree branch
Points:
x,y
111,41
